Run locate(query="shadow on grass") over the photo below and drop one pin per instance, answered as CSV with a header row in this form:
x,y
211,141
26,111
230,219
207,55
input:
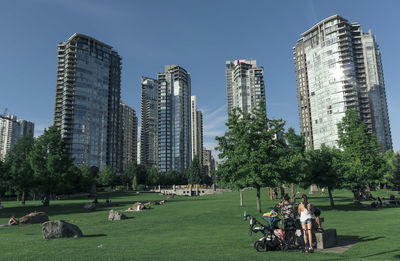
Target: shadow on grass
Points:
x,y
95,235
58,207
382,253
349,207
357,238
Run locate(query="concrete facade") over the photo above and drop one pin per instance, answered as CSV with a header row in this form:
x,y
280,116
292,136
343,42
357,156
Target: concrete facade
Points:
x,y
197,130
244,84
11,130
129,135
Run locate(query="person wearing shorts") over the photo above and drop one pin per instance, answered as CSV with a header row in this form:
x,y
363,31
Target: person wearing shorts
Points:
x,y
306,222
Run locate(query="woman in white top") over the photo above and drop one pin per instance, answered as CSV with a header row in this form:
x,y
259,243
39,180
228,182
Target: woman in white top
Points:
x,y
306,222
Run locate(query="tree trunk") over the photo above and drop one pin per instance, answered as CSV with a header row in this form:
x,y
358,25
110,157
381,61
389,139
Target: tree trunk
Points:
x,y
93,190
292,195
258,200
46,200
356,196
271,194
23,198
34,195
331,197
241,198
17,196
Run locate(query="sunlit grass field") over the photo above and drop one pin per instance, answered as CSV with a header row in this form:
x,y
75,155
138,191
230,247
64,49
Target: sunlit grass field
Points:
x,y
190,228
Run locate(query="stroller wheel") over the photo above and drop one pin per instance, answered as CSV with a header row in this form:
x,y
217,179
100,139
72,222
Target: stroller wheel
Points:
x,y
285,247
260,246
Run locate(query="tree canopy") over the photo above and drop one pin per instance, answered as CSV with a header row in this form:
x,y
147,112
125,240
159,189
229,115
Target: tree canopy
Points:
x,y
251,150
324,169
362,159
50,162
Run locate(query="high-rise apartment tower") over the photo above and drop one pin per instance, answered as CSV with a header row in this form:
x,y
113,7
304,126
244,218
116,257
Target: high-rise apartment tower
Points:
x,y
129,135
244,85
87,102
11,130
338,68
149,123
174,141
197,130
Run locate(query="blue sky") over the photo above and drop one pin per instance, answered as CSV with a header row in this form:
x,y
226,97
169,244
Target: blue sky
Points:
x,y
197,35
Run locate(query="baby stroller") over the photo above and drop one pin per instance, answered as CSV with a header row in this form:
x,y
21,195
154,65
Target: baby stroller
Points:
x,y
273,236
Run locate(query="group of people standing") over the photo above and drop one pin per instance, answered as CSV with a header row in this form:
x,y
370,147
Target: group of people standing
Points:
x,y
305,211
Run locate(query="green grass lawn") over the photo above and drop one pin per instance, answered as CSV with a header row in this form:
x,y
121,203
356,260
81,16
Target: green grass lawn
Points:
x,y
190,228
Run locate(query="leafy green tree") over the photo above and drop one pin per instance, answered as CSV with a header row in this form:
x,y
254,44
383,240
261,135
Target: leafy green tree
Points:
x,y
194,174
362,159
20,170
153,177
252,150
89,177
324,169
134,183
392,173
50,162
132,170
108,177
293,162
71,180
4,178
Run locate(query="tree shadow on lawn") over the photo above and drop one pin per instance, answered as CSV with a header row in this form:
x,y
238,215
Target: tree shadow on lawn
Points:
x,y
67,208
350,207
57,208
358,238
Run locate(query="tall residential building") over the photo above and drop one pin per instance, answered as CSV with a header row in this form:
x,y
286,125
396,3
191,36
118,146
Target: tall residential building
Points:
x,y
197,130
25,128
339,68
208,162
376,89
87,103
149,122
11,130
129,135
174,141
244,84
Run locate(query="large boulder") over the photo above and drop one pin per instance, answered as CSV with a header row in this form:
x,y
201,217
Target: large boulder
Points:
x,y
59,229
34,218
138,206
115,215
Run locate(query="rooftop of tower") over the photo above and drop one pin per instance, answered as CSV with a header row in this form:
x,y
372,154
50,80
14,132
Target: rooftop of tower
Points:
x,y
89,38
323,21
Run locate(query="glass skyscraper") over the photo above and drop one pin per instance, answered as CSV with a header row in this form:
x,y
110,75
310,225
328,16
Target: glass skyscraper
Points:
x,y
174,134
149,122
338,68
87,103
